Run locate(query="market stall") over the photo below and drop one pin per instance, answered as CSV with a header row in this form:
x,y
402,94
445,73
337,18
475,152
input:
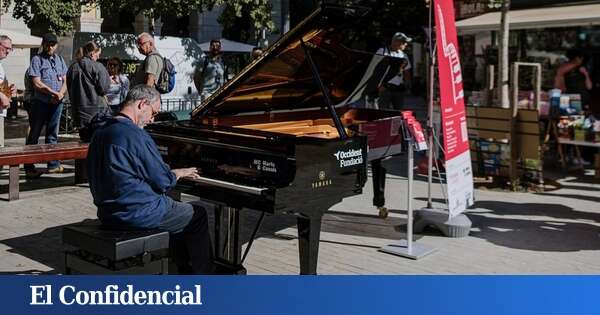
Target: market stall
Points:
x,y
542,36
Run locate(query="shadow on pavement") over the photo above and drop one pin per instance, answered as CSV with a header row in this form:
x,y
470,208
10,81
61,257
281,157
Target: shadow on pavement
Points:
x,y
584,179
580,187
346,223
573,196
46,181
556,233
45,247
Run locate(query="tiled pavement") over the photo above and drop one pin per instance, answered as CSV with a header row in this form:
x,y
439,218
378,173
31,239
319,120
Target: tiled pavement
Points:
x,y
513,233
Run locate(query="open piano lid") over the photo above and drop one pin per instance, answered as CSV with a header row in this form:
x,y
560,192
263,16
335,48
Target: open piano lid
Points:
x,y
282,80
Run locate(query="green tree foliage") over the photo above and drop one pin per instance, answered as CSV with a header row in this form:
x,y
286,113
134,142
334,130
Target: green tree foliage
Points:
x,y
243,20
406,16
157,8
59,15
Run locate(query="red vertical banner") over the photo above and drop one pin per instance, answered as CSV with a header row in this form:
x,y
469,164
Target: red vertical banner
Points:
x,y
459,176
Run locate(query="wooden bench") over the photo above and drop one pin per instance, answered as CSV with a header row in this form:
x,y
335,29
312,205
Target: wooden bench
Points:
x,y
40,153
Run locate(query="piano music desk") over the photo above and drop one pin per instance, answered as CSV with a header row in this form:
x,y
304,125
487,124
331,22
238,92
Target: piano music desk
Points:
x,y
40,153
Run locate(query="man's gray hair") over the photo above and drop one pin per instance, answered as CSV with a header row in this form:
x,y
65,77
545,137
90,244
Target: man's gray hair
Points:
x,y
145,35
4,37
141,92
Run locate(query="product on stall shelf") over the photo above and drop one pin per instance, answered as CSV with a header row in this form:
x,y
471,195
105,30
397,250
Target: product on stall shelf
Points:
x,y
476,98
596,130
544,108
565,102
575,104
588,124
564,128
579,134
494,154
577,123
554,102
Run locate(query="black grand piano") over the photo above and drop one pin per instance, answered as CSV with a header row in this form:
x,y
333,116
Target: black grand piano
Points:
x,y
286,135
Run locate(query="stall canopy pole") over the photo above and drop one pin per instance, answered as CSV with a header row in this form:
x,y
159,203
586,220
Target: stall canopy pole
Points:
x,y
430,109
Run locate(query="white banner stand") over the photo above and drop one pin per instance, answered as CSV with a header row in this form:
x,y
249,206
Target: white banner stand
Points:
x,y
407,248
457,226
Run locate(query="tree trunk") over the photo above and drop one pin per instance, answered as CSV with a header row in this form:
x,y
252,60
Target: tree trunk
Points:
x,y
503,65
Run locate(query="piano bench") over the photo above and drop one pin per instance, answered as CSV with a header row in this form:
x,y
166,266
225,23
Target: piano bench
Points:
x,y
103,251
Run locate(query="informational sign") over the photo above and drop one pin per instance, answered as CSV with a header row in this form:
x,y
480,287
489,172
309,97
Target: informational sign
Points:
x,y
414,131
459,175
383,137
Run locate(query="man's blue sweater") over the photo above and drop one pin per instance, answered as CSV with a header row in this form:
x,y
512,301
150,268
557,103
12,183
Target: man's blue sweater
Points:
x,y
128,178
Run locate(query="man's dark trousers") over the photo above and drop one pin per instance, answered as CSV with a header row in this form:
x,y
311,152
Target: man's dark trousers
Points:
x,y
188,225
41,114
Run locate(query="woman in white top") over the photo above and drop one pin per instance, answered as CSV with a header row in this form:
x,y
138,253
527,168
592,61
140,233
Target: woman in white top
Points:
x,y
119,84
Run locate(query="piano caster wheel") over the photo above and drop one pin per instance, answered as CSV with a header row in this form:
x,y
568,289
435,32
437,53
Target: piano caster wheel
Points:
x,y
383,212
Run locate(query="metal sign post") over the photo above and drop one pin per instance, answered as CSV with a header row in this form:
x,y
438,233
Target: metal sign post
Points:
x,y
406,248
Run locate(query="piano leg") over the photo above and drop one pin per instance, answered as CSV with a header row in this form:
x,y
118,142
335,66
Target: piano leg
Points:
x,y
228,245
379,172
309,234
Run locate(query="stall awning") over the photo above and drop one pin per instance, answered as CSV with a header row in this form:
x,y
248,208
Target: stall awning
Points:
x,y
22,40
562,16
229,46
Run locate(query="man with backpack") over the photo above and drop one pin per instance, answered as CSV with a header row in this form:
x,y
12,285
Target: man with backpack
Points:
x,y
155,71
211,72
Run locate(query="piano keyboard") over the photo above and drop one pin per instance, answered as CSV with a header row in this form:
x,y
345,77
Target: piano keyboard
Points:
x,y
223,184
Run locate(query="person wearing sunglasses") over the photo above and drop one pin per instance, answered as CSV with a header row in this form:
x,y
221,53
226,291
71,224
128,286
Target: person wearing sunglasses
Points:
x,y
129,183
8,90
5,50
149,70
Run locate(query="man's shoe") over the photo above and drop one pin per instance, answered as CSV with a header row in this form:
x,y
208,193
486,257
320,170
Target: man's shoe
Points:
x,y
56,170
33,174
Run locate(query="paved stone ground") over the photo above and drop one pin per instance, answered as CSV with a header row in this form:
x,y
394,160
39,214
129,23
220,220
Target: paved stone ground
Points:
x,y
555,232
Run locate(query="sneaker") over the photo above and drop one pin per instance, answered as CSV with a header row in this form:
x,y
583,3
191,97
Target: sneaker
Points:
x,y
33,174
56,170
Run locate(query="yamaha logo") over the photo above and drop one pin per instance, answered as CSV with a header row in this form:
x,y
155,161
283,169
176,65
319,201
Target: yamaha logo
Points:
x,y
349,157
321,175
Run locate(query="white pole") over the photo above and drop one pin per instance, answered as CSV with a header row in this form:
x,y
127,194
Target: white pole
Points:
x,y
503,60
408,249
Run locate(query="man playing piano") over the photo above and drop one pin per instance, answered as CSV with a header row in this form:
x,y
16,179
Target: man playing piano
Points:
x,y
129,182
